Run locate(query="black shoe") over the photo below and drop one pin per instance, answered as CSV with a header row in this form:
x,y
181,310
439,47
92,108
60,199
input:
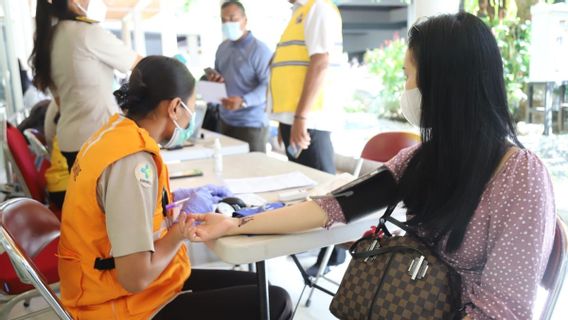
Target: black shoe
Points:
x,y
337,257
313,270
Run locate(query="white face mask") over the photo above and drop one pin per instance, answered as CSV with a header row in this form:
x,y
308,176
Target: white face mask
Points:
x,y
96,10
410,105
232,30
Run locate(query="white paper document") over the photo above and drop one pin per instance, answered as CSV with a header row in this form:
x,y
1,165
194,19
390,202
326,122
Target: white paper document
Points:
x,y
211,91
337,181
252,199
294,179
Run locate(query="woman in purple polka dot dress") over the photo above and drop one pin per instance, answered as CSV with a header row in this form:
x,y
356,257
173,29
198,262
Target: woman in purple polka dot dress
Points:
x,y
470,183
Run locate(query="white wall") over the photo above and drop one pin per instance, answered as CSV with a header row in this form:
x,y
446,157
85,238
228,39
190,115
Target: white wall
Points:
x,y
369,40
24,29
267,19
363,16
549,44
368,29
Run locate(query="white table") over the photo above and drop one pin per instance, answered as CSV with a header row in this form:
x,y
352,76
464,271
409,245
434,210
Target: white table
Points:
x,y
254,164
248,249
203,148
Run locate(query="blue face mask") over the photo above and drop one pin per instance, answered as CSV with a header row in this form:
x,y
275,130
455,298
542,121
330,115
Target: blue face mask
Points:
x,y
181,135
232,30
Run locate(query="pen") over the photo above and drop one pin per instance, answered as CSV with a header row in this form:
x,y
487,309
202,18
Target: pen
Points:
x,y
176,203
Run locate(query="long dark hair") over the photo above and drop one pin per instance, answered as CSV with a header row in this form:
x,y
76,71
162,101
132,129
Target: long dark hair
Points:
x,y
154,79
465,123
40,58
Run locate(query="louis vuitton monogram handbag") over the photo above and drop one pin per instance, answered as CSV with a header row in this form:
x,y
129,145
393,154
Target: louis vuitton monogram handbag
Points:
x,y
396,277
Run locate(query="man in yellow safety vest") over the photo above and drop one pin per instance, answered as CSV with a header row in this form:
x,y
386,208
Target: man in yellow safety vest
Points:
x,y
300,91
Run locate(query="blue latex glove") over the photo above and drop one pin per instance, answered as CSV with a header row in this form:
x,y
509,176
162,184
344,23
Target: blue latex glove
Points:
x,y
202,199
217,192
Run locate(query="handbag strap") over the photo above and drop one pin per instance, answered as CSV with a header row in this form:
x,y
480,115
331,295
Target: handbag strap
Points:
x,y
387,217
383,250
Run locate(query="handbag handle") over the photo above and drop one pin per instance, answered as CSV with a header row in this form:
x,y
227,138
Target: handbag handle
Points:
x,y
387,217
381,250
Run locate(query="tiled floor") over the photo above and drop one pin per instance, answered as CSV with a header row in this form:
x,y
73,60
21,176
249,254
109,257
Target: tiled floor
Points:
x,y
282,272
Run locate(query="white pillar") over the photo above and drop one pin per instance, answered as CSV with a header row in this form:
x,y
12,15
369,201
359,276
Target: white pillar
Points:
x,y
168,28
139,38
427,8
9,64
125,30
24,30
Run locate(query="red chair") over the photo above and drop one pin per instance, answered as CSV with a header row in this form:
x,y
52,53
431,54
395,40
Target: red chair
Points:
x,y
29,233
35,134
42,162
384,146
556,269
38,146
28,163
22,162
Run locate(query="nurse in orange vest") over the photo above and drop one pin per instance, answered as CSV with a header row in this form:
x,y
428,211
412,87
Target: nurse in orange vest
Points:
x,y
122,252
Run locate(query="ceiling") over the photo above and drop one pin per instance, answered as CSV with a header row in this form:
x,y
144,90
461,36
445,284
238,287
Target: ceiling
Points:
x,y
373,3
117,9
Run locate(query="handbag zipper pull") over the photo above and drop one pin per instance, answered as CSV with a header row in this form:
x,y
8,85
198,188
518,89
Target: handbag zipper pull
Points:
x,y
418,268
373,246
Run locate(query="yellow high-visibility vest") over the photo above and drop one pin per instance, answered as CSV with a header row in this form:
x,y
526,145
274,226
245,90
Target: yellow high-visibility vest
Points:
x,y
290,65
57,174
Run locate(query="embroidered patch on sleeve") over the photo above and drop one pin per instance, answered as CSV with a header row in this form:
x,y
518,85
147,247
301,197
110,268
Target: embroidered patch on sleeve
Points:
x,y
144,174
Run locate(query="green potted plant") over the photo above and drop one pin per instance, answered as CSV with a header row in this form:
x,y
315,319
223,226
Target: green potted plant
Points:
x,y
386,63
513,38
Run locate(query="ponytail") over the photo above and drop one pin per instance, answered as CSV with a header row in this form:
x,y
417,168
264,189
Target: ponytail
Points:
x,y
40,58
154,79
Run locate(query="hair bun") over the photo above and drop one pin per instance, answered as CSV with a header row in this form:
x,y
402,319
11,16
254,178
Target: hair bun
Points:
x,y
121,96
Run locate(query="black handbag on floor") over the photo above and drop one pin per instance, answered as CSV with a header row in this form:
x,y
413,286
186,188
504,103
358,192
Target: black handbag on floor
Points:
x,y
397,277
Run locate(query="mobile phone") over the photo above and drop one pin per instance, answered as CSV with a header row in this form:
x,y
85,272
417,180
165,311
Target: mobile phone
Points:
x,y
211,71
294,151
186,174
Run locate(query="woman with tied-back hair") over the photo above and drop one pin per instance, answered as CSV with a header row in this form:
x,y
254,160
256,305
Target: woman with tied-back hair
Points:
x,y
74,58
121,252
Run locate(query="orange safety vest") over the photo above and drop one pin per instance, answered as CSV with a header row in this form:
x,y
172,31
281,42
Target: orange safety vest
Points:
x,y
89,293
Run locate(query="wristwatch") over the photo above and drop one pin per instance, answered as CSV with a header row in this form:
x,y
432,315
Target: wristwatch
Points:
x,y
243,104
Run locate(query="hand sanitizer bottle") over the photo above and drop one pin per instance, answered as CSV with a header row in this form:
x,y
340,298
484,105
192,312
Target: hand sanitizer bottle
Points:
x,y
217,157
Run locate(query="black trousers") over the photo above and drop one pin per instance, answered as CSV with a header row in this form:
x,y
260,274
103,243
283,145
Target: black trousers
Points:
x,y
224,294
256,137
56,198
319,155
70,157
